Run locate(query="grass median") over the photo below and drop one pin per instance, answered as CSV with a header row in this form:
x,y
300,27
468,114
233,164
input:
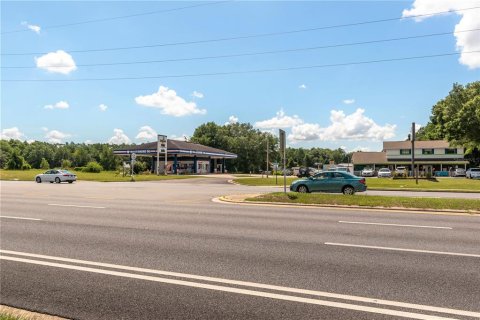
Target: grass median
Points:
x,y
470,205
439,184
104,176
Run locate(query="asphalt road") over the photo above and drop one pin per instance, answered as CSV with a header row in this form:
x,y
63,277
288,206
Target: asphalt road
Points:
x,y
164,250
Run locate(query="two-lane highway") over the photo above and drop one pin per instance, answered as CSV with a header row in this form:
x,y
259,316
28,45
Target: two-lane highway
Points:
x,y
164,250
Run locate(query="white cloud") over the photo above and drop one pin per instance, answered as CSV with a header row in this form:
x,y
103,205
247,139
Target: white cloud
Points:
x,y
88,142
349,101
119,137
232,120
417,127
182,137
360,148
302,86
169,103
58,105
279,121
146,133
55,136
198,95
56,62
103,107
466,41
355,126
44,129
11,133
34,28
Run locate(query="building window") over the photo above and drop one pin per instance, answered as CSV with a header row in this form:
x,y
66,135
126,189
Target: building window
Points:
x,y
427,151
405,151
451,151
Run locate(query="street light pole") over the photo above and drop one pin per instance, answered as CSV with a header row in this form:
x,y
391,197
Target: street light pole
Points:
x,y
267,157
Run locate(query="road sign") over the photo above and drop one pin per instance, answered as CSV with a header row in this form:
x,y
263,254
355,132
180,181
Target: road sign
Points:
x,y
134,156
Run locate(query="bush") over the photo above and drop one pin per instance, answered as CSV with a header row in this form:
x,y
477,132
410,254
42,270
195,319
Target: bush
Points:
x,y
78,168
67,164
92,166
26,166
139,167
44,164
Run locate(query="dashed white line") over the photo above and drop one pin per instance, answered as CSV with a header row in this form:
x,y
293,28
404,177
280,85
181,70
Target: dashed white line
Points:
x,y
395,225
290,290
74,206
20,218
348,306
404,249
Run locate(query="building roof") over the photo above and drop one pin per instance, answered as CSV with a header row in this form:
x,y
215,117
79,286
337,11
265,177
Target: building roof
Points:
x,y
176,147
369,157
431,144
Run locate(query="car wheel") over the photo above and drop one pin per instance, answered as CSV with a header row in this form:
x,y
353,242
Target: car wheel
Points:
x,y
57,180
302,189
38,180
348,190
70,181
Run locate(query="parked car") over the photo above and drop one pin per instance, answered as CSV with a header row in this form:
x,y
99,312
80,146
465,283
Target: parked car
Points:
x,y
330,181
401,170
384,173
342,169
368,172
56,175
306,172
473,173
459,172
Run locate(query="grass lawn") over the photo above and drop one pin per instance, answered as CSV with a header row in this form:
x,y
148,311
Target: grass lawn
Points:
x,y
451,184
104,176
371,201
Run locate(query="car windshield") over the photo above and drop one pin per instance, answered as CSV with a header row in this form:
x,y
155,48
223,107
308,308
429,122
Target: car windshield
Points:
x,y
384,170
475,169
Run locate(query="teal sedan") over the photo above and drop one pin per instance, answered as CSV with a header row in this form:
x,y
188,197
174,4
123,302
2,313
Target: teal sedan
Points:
x,y
330,181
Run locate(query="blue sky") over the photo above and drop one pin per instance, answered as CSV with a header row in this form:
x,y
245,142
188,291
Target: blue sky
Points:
x,y
353,106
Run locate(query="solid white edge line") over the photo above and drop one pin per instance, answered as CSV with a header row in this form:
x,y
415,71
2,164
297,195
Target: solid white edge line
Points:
x,y
20,218
404,249
74,205
394,225
254,285
341,305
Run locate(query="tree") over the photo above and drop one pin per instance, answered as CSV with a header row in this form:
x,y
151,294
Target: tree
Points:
x,y
16,161
456,118
44,164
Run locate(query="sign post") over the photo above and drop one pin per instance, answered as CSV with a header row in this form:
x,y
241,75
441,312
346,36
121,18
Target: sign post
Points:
x,y
133,157
414,171
161,147
281,134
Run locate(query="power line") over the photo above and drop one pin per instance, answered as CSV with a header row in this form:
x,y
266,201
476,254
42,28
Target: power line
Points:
x,y
119,17
246,71
243,37
253,53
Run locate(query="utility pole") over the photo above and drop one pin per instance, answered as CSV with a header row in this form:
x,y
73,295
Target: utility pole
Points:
x,y
414,171
281,136
267,157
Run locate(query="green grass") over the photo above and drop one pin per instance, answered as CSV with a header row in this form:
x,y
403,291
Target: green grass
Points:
x,y
6,316
448,184
371,201
104,176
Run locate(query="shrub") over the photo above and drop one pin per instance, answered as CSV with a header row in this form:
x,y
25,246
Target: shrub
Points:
x,y
78,168
66,164
92,166
26,166
139,167
44,164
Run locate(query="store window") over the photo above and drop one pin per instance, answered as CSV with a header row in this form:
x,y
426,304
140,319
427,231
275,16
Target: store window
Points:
x,y
405,151
427,151
451,151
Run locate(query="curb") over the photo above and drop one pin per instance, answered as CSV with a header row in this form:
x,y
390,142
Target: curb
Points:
x,y
307,205
27,315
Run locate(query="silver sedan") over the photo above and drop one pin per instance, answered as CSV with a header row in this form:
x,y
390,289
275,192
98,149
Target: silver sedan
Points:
x,y
57,176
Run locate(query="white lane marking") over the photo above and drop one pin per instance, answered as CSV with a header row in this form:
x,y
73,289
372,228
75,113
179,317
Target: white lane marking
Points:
x,y
404,249
251,284
20,218
395,225
74,205
333,304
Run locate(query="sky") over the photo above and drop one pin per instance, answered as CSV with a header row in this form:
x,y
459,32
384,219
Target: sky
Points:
x,y
69,72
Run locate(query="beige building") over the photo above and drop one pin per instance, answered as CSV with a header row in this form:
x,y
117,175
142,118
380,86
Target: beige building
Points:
x,y
436,156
